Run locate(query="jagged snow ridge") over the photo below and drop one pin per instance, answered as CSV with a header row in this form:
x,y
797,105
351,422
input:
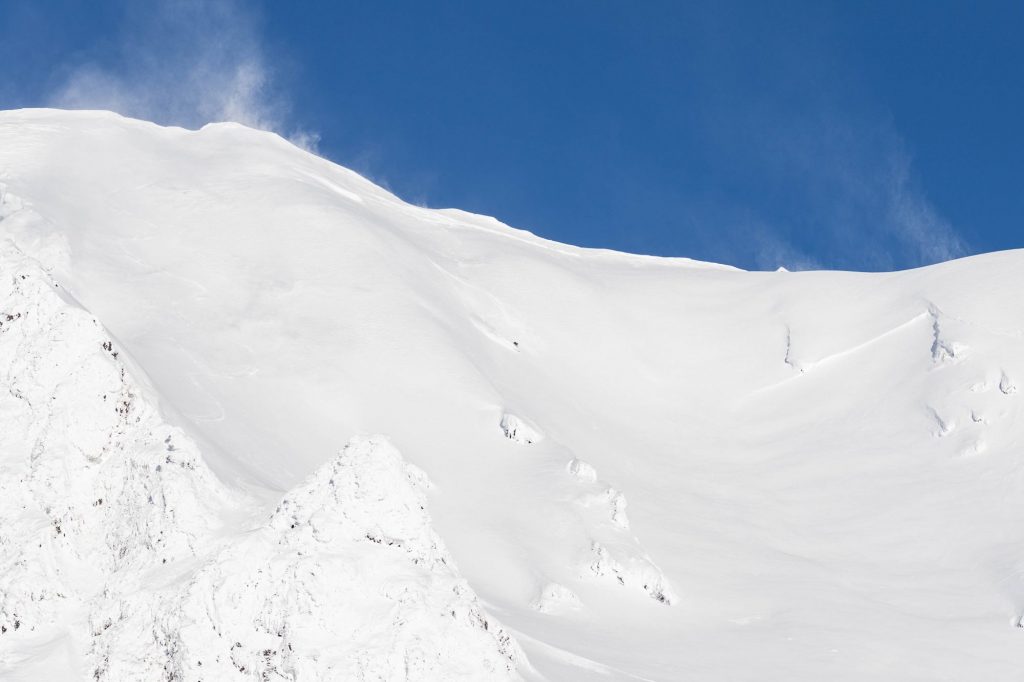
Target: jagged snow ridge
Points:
x,y
347,580
96,489
351,557
115,535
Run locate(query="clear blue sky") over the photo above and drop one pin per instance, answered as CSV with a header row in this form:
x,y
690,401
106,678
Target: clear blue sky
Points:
x,y
856,135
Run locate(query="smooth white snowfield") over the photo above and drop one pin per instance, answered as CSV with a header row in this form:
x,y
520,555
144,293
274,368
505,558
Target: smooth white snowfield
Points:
x,y
501,456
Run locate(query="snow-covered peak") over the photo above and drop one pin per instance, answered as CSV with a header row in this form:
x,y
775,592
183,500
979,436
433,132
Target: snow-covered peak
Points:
x,y
643,468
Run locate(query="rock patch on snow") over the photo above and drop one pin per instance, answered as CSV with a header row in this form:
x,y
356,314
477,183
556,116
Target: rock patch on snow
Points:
x,y
612,502
518,430
943,349
605,512
632,570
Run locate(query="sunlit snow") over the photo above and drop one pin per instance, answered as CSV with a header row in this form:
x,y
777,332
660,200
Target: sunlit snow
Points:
x,y
263,420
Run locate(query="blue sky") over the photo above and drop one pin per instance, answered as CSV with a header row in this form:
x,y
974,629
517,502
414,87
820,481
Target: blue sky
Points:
x,y
857,135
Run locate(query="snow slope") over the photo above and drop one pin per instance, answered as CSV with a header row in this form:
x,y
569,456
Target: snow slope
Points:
x,y
641,468
125,559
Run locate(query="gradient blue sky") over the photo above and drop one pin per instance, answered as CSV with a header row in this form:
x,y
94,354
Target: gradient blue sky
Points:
x,y
857,135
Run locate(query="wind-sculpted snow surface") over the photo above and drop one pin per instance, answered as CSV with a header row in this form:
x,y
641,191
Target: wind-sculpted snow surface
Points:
x,y
644,468
116,537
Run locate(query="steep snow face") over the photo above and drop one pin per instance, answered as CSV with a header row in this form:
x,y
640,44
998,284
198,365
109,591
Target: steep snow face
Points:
x,y
96,490
646,468
122,557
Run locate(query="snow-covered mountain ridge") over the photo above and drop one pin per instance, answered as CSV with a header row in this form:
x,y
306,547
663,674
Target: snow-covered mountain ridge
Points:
x,y
118,543
642,466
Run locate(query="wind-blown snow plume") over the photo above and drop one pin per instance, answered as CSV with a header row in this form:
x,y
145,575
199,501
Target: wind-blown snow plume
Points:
x,y
868,210
186,62
916,222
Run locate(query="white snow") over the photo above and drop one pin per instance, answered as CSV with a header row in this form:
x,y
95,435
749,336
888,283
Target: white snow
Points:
x,y
518,430
118,540
823,469
581,470
555,598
